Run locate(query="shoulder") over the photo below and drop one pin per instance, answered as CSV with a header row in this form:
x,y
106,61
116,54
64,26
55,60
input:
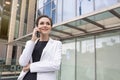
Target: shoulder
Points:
x,y
30,41
56,41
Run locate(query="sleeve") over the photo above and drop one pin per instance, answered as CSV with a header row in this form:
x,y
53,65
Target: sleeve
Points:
x,y
51,65
26,54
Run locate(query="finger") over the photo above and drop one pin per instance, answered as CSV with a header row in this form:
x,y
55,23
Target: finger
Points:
x,y
24,69
38,29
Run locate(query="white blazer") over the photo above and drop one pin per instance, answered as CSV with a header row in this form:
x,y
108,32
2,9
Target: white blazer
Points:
x,y
49,63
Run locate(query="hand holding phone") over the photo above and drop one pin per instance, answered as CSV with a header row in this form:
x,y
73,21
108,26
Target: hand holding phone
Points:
x,y
38,34
35,34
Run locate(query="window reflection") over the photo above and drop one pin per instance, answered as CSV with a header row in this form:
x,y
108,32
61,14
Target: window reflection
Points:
x,y
47,7
87,46
62,11
68,9
107,41
16,33
68,60
5,10
26,16
105,3
1,7
59,10
108,52
85,6
1,10
85,58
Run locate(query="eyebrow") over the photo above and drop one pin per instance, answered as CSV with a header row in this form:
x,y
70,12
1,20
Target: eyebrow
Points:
x,y
46,22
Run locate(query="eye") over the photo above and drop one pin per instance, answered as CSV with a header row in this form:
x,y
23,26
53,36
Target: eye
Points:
x,y
41,23
48,23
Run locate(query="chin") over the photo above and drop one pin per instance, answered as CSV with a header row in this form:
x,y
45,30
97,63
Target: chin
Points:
x,y
45,33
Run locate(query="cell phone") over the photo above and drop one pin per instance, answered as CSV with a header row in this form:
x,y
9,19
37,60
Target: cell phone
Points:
x,y
38,34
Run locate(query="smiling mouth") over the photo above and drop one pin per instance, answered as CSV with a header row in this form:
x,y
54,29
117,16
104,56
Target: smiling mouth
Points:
x,y
44,29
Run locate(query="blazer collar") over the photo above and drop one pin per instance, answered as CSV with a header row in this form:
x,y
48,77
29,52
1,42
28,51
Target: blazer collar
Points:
x,y
48,45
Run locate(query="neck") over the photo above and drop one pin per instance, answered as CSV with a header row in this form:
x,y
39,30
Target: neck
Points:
x,y
44,38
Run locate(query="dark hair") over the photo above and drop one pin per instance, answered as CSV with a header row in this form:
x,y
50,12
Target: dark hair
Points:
x,y
42,17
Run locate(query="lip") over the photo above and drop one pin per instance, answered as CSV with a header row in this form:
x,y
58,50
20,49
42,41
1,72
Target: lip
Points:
x,y
45,29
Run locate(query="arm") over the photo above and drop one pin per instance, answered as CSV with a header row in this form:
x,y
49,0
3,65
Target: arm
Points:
x,y
26,54
48,65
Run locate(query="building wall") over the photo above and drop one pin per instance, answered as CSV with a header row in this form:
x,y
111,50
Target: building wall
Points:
x,y
88,58
5,8
11,32
23,24
64,12
21,28
31,16
91,57
3,50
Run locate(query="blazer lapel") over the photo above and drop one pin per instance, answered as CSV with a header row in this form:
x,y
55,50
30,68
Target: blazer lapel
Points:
x,y
47,47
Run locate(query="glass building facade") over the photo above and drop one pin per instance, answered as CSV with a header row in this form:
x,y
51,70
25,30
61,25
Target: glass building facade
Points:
x,y
5,8
15,22
63,10
94,57
86,57
91,57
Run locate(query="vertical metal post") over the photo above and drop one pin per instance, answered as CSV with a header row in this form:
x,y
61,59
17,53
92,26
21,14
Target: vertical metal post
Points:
x,y
75,58
95,57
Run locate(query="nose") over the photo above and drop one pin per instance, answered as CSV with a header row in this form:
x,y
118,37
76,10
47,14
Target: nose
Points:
x,y
45,24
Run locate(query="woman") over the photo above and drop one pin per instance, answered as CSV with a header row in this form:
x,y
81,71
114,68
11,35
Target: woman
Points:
x,y
41,56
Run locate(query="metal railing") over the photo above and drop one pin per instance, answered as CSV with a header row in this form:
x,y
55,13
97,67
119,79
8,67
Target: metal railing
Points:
x,y
9,72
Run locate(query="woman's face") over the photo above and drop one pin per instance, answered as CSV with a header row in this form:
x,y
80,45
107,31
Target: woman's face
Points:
x,y
44,26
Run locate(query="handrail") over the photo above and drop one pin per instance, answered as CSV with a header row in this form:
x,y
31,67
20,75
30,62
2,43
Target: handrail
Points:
x,y
9,71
